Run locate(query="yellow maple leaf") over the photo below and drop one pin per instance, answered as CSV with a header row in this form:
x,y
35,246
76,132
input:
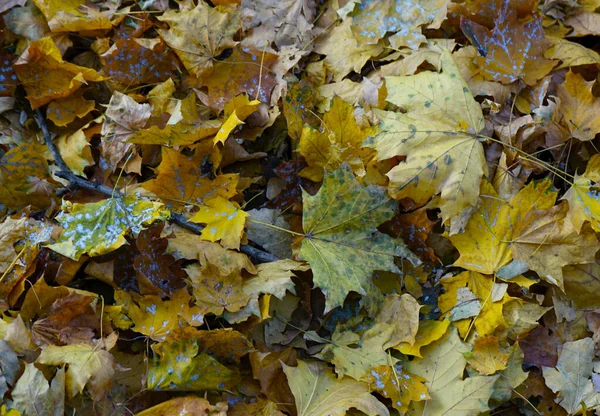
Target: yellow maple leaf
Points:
x,y
224,221
579,108
155,317
199,35
438,134
485,245
89,366
46,76
480,307
236,111
339,141
486,356
179,180
429,331
76,15
65,110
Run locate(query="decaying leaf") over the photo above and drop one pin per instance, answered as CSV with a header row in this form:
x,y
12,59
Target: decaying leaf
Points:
x,y
341,242
438,134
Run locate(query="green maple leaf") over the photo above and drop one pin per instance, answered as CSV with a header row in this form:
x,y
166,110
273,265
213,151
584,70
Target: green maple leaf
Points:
x,y
341,241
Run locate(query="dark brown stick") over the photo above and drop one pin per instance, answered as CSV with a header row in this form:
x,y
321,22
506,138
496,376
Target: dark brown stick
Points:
x,y
257,255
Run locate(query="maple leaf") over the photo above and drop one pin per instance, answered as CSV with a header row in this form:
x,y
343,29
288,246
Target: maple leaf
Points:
x,y
471,295
131,62
89,366
485,245
583,197
578,107
213,33
398,385
442,366
342,51
76,15
224,221
286,23
341,242
180,180
75,150
236,111
17,168
246,71
372,20
340,141
46,76
428,332
438,134
216,291
512,51
63,111
486,356
100,227
33,394
20,241
186,363
271,279
572,376
185,405
319,393
155,317
124,117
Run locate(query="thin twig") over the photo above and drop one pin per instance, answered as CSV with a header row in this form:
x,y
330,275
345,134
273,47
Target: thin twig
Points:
x,y
64,172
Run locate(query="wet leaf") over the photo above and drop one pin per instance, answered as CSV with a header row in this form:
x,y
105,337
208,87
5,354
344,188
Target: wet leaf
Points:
x,y
339,224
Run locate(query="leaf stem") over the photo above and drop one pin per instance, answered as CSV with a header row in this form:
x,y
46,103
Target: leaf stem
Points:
x,y
266,224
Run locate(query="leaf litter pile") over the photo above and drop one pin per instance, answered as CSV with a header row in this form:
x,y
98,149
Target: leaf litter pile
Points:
x,y
295,207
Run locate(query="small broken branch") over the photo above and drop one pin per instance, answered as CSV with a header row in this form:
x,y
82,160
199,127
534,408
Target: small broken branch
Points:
x,y
75,181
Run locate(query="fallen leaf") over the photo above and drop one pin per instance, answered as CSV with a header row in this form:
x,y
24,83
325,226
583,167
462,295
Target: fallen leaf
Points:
x,y
213,33
319,393
438,136
46,76
100,227
339,224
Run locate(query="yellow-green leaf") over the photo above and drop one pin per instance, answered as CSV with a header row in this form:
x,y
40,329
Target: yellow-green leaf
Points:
x,y
341,241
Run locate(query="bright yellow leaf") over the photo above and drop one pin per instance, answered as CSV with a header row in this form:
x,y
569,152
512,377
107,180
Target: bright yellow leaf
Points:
x,y
429,331
224,221
236,111
485,245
